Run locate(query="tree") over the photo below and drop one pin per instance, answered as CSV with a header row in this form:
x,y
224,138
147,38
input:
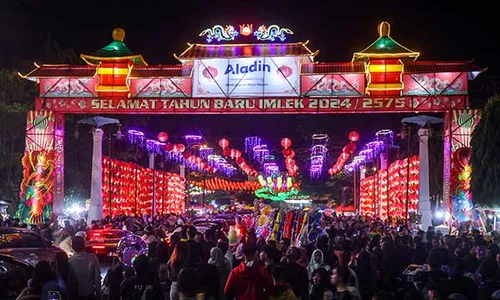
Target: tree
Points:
x,y
485,160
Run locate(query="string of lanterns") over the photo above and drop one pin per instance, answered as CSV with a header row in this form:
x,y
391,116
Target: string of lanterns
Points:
x,y
219,184
289,155
347,151
237,156
130,187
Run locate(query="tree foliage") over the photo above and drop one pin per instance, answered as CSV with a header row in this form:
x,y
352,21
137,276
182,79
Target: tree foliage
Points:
x,y
485,160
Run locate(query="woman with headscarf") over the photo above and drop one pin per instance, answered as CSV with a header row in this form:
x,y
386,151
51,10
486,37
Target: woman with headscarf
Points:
x,y
317,262
218,259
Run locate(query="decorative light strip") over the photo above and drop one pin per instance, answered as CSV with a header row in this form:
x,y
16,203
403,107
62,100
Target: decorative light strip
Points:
x,y
220,163
318,154
135,136
205,152
270,33
259,152
251,142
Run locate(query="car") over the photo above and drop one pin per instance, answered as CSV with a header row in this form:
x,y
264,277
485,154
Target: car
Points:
x,y
103,242
20,250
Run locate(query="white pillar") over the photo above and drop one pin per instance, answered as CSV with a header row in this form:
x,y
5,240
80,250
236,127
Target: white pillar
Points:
x,y
182,171
152,167
424,204
95,209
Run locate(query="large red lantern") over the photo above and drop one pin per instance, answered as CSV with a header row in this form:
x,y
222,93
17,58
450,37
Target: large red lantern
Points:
x,y
224,143
286,143
162,137
181,147
353,136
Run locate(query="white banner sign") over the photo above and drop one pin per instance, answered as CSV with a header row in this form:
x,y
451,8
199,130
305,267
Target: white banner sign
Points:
x,y
246,77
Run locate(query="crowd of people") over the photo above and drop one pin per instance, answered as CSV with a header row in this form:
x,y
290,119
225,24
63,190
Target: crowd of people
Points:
x,y
351,258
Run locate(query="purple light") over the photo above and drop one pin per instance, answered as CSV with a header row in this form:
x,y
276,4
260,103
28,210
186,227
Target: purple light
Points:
x,y
150,145
371,151
271,168
218,162
135,136
251,142
318,151
193,140
259,152
205,152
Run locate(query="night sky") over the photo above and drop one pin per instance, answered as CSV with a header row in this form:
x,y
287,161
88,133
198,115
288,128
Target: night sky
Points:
x,y
440,30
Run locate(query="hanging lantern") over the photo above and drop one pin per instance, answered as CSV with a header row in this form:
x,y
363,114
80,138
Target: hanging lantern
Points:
x,y
286,143
289,161
287,152
237,154
186,154
224,143
233,153
239,160
169,147
226,152
181,148
162,137
353,136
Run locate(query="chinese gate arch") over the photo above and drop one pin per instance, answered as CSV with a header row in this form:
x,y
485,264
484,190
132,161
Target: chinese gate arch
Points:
x,y
244,71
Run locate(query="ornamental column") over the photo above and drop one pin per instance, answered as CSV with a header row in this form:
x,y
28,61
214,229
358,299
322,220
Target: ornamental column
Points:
x,y
424,204
95,209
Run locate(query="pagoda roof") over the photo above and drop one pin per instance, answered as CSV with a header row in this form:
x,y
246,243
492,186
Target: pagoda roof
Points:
x,y
116,50
200,51
60,71
332,68
161,71
440,67
385,47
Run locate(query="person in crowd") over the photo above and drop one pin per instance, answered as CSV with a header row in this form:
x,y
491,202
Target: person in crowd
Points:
x,y
43,284
142,285
296,274
209,237
222,263
195,251
489,278
189,284
249,281
113,279
282,289
317,262
69,228
340,279
223,245
320,284
86,268
178,260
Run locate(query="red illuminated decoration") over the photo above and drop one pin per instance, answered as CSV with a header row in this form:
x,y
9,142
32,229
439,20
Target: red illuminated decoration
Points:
x,y
223,143
385,194
286,71
162,137
347,151
219,184
353,136
246,29
130,188
210,72
114,63
286,143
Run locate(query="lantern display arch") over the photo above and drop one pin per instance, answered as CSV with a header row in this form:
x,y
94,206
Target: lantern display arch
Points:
x,y
243,71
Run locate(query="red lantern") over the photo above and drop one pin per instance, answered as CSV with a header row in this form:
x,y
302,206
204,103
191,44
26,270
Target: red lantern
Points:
x,y
289,161
286,143
285,71
353,136
292,154
287,152
186,154
226,152
237,154
162,137
181,148
224,143
253,173
239,160
169,147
